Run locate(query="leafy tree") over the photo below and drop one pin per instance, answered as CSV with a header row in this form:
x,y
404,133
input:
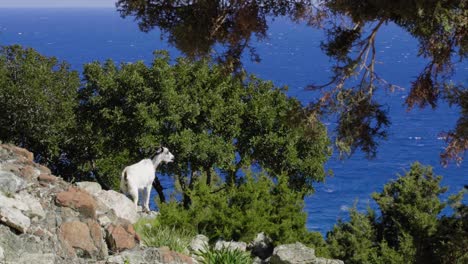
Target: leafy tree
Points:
x,y
410,206
38,97
407,228
352,28
209,120
195,27
440,28
353,241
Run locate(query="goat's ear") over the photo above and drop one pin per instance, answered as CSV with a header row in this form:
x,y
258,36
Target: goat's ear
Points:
x,y
159,150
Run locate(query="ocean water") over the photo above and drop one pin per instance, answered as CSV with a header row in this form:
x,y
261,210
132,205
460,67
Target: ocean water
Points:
x,y
290,56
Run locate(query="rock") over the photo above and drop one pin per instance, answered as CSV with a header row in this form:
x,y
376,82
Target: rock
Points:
x,y
91,187
261,246
13,218
79,200
232,245
28,172
104,220
13,202
258,260
2,255
46,178
83,239
147,215
328,261
118,204
10,183
293,254
24,202
36,258
172,257
121,237
199,243
18,151
150,256
34,206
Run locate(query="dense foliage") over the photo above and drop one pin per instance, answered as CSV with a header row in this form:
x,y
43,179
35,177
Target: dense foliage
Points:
x,y
407,228
225,30
209,120
240,212
37,100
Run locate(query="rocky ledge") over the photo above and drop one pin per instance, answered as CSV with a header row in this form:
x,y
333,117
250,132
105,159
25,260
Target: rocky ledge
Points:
x,y
44,219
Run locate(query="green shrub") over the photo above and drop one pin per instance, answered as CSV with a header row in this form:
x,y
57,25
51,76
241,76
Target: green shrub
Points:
x,y
407,227
240,211
153,234
38,95
224,256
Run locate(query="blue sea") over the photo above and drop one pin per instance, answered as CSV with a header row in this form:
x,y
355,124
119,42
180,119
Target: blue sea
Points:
x,y
290,56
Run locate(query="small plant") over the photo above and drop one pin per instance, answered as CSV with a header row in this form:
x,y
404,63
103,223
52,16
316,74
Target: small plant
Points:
x,y
224,255
153,234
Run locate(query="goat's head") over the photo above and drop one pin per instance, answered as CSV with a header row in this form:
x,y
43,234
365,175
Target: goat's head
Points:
x,y
165,155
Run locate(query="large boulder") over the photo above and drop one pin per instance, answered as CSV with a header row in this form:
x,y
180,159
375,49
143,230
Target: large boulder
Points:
x,y
231,245
199,243
112,202
328,261
293,254
79,200
83,239
121,237
91,187
150,256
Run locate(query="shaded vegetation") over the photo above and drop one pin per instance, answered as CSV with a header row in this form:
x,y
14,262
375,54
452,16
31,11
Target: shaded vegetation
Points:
x,y
38,96
212,122
153,234
407,227
226,29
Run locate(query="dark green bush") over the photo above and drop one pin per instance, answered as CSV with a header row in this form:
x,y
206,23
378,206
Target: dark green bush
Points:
x,y
38,96
239,212
407,227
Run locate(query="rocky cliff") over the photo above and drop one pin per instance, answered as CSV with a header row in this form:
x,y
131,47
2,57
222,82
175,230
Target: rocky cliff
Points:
x,y
44,219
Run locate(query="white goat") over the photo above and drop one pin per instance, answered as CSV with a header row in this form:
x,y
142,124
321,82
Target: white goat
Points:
x,y
140,176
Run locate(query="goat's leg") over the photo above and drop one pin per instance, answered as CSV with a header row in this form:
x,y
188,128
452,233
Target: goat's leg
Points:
x,y
147,197
134,194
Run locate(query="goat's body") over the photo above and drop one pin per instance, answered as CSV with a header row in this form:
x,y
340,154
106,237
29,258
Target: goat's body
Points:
x,y
140,176
146,172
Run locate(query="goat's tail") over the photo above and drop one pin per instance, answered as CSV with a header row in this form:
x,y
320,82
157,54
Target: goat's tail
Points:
x,y
124,181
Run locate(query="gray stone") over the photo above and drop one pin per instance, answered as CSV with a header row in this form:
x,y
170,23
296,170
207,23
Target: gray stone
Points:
x,y
10,183
13,218
34,206
150,256
36,258
231,245
90,187
13,202
2,255
118,203
293,254
199,243
261,246
328,261
258,260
